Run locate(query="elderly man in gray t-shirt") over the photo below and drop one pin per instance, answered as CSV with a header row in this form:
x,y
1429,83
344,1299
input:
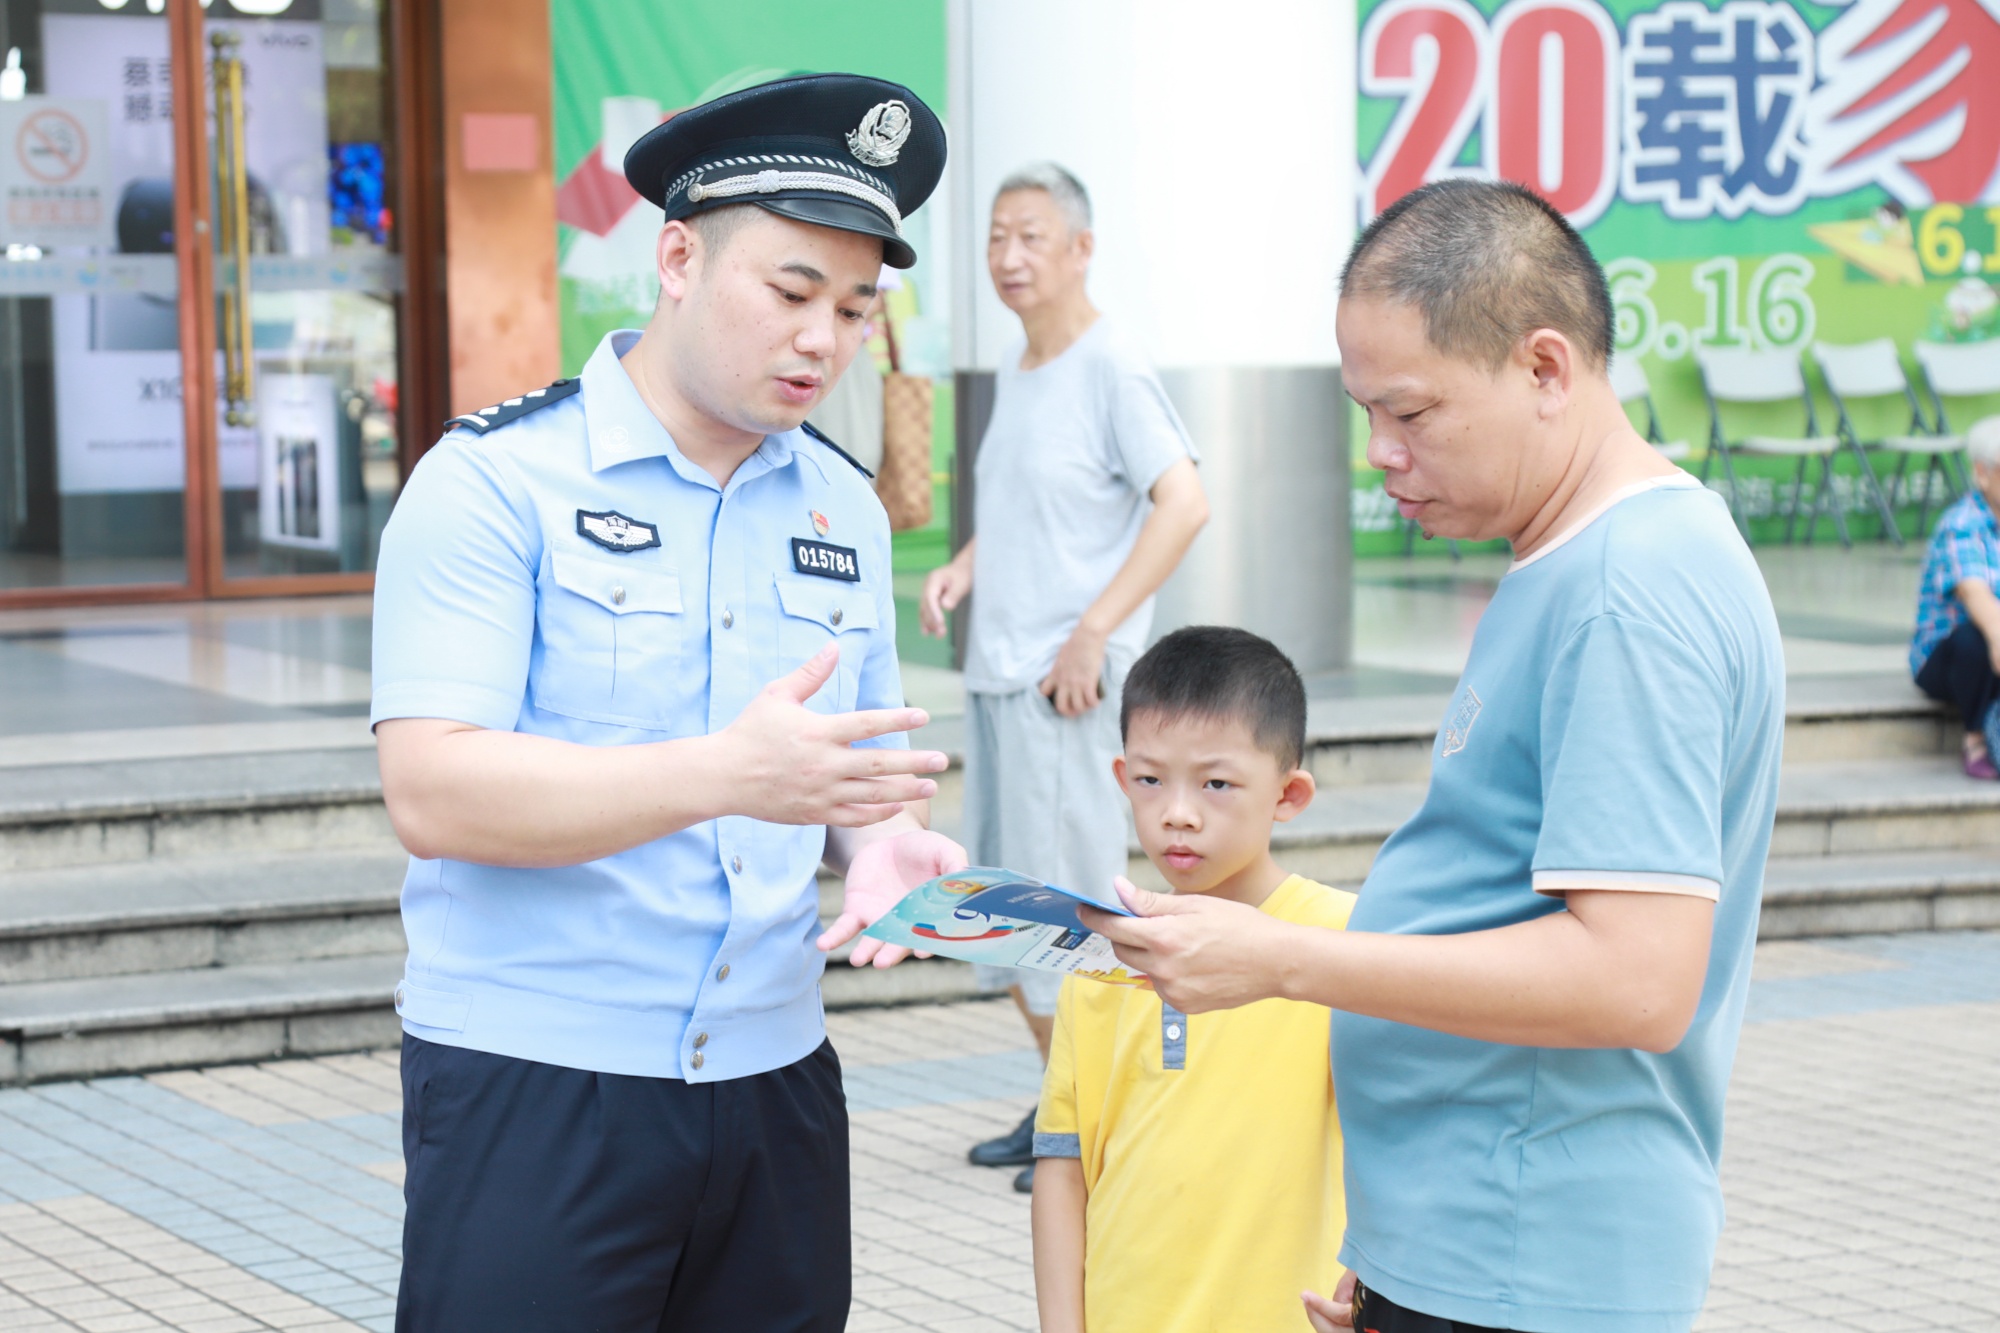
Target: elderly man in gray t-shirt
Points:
x,y
1086,500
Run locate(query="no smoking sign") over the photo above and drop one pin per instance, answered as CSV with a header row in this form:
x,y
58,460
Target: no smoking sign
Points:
x,y
52,146
53,177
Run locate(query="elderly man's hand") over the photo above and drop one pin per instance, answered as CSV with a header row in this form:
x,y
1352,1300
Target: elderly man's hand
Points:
x,y
1201,953
1075,683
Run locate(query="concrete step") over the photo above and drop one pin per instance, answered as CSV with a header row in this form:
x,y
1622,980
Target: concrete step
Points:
x,y
161,1020
55,815
97,814
132,1023
1919,804
1828,719
171,914
1386,740
1880,892
255,1010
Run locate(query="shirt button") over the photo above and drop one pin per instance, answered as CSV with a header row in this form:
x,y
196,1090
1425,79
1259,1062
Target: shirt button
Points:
x,y
836,616
728,618
1174,1032
399,994
722,973
736,864
697,1060
618,597
700,1040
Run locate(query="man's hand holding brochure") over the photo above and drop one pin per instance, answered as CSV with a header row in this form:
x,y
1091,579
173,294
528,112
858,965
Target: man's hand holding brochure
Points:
x,y
986,915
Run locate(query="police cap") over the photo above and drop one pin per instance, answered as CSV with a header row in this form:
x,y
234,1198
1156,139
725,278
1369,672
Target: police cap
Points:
x,y
835,150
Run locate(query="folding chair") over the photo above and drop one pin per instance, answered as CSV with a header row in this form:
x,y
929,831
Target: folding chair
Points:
x,y
1628,381
1873,370
1957,370
1734,376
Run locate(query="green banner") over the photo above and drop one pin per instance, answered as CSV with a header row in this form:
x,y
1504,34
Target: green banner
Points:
x,y
1756,175
622,66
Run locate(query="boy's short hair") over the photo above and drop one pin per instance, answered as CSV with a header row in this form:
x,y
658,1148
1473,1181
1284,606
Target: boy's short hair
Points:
x,y
1212,671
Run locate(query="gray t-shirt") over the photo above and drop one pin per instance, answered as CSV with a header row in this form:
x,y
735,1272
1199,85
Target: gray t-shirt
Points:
x,y
1062,479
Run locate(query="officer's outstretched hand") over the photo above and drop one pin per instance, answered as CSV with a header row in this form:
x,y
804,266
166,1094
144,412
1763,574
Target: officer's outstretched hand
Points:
x,y
881,873
786,764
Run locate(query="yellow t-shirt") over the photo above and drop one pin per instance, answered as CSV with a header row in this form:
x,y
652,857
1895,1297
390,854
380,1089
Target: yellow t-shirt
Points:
x,y
1209,1146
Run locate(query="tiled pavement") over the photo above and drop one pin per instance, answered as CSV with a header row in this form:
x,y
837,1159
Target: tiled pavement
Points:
x,y
1863,1169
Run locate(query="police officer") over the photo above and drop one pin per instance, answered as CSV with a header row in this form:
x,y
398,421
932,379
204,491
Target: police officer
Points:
x,y
620,1108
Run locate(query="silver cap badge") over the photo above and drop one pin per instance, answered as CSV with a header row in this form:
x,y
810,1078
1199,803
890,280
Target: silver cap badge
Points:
x,y
879,138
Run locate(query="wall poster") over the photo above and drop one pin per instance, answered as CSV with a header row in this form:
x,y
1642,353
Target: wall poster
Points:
x,y
1756,174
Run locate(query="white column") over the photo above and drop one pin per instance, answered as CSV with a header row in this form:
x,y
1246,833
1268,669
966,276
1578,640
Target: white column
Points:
x,y
1217,143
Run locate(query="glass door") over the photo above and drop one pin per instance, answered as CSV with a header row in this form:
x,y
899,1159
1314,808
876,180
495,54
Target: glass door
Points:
x,y
93,425
308,273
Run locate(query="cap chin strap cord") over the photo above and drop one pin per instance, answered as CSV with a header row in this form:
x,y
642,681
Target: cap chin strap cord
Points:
x,y
774,182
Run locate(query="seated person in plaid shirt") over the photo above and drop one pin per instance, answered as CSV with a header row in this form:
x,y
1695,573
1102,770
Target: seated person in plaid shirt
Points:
x,y
1956,653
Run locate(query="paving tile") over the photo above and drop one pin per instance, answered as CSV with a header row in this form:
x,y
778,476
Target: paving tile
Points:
x,y
1862,1165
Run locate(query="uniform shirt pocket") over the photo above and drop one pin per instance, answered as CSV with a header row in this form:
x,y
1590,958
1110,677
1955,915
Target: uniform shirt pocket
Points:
x,y
611,636
815,610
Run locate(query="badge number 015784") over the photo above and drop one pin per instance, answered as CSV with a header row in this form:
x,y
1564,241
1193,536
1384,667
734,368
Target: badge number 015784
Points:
x,y
825,560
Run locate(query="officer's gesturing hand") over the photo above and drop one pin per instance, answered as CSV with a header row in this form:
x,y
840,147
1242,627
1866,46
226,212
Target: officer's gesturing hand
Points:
x,y
789,765
877,878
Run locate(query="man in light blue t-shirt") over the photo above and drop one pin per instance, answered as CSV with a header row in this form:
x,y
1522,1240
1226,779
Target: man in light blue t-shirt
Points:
x,y
1539,995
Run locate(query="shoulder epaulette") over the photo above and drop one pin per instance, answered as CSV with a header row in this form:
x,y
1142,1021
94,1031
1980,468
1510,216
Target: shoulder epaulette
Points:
x,y
820,435
492,418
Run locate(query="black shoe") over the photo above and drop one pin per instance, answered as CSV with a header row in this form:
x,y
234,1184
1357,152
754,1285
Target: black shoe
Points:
x,y
1025,1182
1014,1148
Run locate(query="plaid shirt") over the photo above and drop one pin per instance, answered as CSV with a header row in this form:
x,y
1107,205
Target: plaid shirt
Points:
x,y
1965,546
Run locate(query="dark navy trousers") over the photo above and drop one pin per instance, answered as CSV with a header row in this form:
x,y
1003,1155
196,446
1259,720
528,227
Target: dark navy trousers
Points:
x,y
1959,672
550,1200
1376,1313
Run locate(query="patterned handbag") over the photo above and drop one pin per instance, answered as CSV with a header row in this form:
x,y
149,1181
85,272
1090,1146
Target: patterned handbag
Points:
x,y
904,480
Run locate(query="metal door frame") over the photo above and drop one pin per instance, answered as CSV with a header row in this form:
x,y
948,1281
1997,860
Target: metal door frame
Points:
x,y
413,82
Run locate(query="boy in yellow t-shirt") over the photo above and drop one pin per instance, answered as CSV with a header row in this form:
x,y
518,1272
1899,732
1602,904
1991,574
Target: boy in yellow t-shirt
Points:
x,y
1188,1173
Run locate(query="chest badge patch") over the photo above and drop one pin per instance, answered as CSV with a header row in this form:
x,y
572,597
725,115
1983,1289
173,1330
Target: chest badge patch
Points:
x,y
825,561
615,532
1458,730
820,524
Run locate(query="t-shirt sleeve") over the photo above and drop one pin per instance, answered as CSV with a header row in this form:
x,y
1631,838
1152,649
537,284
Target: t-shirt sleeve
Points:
x,y
1056,1133
1633,731
1147,436
455,595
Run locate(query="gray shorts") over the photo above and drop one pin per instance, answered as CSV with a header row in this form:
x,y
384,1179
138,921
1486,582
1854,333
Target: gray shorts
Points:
x,y
1040,799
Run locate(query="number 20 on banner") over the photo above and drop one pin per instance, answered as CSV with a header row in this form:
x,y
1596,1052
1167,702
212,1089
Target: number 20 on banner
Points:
x,y
1540,77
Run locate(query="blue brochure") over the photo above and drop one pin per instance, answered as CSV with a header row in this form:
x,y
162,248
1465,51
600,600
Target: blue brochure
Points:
x,y
987,915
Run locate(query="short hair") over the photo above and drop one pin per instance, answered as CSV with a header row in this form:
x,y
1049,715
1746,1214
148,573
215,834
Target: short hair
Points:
x,y
1982,442
1222,674
1486,263
716,225
1059,183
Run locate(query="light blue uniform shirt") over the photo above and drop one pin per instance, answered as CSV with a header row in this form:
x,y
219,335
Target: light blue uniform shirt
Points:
x,y
1618,727
688,957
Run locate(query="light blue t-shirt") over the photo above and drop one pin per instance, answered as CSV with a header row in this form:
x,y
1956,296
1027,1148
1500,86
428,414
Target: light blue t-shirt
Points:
x,y
1618,726
572,575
